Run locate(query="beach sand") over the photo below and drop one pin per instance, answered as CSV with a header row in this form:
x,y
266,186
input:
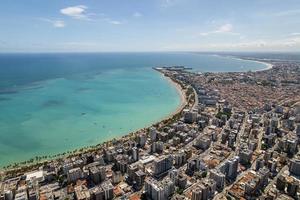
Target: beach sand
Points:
x,y
181,92
268,65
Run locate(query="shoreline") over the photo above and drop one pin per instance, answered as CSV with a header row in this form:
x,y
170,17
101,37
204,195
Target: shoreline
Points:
x,y
182,104
181,93
268,65
85,149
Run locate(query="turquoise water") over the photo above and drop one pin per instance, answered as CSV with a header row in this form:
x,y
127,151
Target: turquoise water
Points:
x,y
52,103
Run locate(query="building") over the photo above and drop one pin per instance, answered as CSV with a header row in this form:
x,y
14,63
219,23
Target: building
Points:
x,y
280,183
135,154
159,190
263,173
108,190
180,158
74,174
190,116
157,147
153,133
295,166
82,192
218,177
205,190
116,177
292,186
245,156
139,179
196,164
232,168
231,141
203,142
162,165
259,164
21,196
97,174
97,193
142,138
197,193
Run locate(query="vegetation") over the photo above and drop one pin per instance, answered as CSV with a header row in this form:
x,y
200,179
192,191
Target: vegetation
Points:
x,y
179,191
220,113
204,174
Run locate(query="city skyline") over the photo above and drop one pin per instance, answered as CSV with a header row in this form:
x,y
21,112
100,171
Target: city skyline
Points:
x,y
160,25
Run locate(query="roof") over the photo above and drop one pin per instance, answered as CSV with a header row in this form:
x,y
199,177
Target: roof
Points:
x,y
36,175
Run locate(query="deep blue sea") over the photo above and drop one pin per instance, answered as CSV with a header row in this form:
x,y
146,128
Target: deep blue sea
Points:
x,y
52,103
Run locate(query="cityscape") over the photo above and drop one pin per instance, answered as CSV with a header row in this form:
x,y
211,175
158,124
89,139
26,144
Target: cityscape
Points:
x,y
234,137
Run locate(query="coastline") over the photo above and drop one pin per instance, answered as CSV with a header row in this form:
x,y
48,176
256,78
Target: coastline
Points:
x,y
77,151
182,104
268,65
181,93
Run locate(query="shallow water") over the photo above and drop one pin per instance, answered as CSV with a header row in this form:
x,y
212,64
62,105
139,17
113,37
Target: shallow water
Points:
x,y
52,103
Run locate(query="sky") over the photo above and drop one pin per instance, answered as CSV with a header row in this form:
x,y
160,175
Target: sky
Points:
x,y
149,25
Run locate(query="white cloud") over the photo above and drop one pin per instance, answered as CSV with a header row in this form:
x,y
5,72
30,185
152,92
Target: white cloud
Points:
x,y
115,22
59,24
137,14
111,21
77,12
80,12
225,28
55,23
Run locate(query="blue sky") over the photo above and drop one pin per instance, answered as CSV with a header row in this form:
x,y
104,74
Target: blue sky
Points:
x,y
149,25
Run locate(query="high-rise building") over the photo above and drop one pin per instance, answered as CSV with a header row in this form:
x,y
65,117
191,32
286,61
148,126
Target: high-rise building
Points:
x,y
97,193
162,165
190,116
153,133
180,158
219,177
97,174
245,156
205,190
280,183
135,153
157,147
108,190
142,138
259,163
203,142
295,166
74,174
159,190
232,168
197,194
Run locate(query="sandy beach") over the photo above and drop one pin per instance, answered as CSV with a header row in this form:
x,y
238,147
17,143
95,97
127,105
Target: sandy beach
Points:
x,y
269,66
181,92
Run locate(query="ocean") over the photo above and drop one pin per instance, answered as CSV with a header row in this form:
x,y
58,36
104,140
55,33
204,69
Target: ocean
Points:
x,y
56,102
